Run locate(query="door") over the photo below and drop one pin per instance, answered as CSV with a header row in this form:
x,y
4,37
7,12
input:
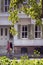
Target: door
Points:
x,y
4,35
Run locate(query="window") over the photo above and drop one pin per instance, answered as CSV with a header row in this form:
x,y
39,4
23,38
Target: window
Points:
x,y
37,31
6,6
5,31
24,50
1,31
24,31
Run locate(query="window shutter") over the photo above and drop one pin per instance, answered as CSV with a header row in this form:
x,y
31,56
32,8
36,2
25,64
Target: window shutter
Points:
x,y
30,31
42,31
19,31
2,5
33,33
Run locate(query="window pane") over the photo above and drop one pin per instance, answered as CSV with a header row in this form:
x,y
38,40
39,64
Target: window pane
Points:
x,y
37,31
38,34
24,31
22,28
5,8
5,2
35,28
25,34
35,34
39,28
5,31
1,31
22,34
25,28
8,2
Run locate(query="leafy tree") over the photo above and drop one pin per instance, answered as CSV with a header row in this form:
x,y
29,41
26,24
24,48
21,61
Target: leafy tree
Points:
x,y
32,8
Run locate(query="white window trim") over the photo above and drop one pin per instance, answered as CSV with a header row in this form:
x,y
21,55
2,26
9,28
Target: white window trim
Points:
x,y
37,31
21,32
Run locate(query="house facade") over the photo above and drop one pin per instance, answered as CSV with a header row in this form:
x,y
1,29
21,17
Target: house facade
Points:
x,y
30,35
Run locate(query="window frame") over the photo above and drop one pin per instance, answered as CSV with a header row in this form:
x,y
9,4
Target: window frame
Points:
x,y
6,5
24,32
37,32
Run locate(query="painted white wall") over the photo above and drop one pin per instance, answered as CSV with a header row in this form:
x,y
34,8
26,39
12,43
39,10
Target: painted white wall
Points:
x,y
4,21
27,42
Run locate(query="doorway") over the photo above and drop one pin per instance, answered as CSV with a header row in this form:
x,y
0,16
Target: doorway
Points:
x,y
24,50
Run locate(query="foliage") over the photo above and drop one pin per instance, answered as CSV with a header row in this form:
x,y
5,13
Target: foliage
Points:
x,y
36,52
32,8
13,31
4,61
23,61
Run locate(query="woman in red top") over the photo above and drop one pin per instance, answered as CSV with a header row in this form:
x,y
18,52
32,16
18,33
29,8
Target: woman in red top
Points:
x,y
8,47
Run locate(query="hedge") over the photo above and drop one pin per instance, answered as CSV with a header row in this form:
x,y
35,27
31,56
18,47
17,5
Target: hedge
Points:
x,y
23,61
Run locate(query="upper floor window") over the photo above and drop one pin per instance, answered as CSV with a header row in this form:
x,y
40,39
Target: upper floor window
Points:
x,y
37,31
6,5
24,31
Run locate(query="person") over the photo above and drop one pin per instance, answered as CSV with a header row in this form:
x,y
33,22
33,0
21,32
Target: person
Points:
x,y
8,47
11,45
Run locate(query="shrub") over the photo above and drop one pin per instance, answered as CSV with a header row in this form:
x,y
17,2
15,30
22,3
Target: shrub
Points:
x,y
23,61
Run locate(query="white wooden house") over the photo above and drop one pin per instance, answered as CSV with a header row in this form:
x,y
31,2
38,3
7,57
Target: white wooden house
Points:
x,y
30,36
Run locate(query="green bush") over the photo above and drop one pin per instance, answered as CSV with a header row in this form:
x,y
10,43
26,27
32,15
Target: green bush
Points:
x,y
23,61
